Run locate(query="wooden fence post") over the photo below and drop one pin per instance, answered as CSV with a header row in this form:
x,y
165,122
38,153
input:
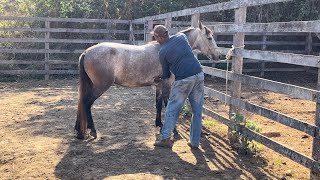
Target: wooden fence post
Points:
x,y
47,47
168,23
263,48
195,19
109,27
237,66
149,29
315,175
131,35
308,44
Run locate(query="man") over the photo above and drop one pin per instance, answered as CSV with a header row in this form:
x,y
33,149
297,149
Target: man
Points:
x,y
176,56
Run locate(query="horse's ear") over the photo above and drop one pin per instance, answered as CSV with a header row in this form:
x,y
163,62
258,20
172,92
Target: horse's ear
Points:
x,y
200,25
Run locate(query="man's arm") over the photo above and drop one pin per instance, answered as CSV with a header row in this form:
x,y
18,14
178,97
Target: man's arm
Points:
x,y
165,68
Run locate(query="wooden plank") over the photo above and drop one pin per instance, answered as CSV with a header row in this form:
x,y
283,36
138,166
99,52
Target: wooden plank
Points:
x,y
80,20
40,51
310,129
168,23
281,149
63,30
210,8
288,58
149,29
308,44
43,40
217,117
315,174
265,33
274,86
276,70
36,62
195,20
275,43
263,48
131,36
292,154
294,26
25,72
237,66
46,58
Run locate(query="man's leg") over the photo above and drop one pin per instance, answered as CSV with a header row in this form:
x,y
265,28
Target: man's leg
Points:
x,y
196,101
179,93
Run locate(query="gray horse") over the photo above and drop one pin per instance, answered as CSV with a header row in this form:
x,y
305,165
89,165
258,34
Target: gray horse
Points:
x,y
130,66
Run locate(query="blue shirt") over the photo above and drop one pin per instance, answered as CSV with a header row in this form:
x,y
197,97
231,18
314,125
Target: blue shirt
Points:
x,y
176,56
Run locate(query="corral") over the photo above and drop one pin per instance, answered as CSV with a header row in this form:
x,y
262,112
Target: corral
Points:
x,y
38,116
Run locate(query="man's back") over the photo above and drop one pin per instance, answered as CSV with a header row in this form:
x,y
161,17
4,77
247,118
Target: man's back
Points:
x,y
177,55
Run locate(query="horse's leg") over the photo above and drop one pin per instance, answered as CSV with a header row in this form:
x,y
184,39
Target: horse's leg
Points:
x,y
158,106
166,88
96,93
84,89
89,91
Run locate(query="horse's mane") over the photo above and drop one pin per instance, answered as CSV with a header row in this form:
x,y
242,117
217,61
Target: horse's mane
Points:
x,y
208,31
152,42
186,31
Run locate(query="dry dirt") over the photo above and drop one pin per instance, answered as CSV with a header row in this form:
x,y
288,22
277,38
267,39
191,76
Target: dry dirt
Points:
x,y
37,138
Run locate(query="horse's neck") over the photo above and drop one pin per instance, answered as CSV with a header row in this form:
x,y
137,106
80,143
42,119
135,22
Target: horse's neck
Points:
x,y
191,36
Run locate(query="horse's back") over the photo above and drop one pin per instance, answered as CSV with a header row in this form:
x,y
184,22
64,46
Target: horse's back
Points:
x,y
126,65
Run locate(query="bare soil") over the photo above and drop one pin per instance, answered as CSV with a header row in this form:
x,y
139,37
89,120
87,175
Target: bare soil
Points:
x,y
38,142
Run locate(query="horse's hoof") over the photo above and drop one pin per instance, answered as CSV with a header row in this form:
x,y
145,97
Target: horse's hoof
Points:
x,y
176,136
80,136
93,134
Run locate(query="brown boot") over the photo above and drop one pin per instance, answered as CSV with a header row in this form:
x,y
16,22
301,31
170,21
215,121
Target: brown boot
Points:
x,y
192,147
167,143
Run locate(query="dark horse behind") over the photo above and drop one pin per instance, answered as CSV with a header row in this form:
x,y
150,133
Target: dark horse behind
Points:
x,y
130,66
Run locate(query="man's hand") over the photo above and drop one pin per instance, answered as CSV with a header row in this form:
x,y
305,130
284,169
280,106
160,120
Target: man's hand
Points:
x,y
157,79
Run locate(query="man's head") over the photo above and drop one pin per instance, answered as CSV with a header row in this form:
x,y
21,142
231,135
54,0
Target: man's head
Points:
x,y
160,34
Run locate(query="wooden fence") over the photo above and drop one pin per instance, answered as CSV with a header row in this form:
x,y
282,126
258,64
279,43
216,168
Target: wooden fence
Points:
x,y
57,44
49,53
239,29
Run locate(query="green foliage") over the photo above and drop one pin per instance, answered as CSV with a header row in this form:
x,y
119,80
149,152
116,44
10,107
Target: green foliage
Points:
x,y
208,123
185,111
247,146
130,9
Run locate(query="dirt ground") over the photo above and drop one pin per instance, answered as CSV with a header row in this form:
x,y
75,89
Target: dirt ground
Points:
x,y
37,139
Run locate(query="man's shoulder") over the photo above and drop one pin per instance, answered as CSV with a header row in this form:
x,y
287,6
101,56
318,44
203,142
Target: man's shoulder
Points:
x,y
179,36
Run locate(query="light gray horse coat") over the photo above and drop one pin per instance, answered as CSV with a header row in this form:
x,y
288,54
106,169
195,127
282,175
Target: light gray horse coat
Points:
x,y
130,66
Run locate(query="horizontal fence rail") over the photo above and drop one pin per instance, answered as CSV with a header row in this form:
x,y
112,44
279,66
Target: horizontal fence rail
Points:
x,y
292,154
288,58
277,87
298,26
310,129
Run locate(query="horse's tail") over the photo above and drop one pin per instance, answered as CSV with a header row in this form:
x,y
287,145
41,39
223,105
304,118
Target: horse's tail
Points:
x,y
85,89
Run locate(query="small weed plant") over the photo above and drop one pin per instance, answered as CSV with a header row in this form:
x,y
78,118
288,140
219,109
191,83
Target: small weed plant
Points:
x,y
247,145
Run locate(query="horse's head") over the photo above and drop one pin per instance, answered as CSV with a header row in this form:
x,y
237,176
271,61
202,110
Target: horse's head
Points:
x,y
201,39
